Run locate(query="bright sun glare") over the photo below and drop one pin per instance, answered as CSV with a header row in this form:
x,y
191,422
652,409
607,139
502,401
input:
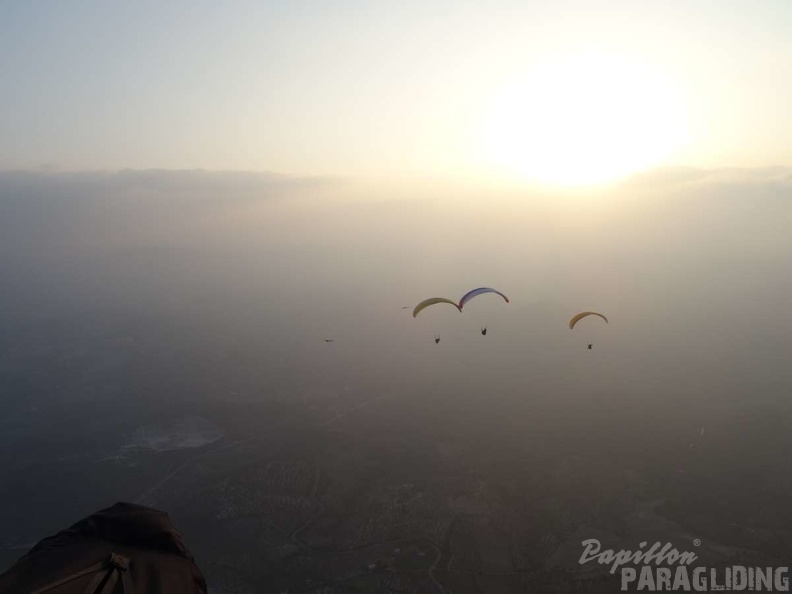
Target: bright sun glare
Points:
x,y
584,120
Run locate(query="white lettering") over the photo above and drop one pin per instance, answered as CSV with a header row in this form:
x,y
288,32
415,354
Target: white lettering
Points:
x,y
764,578
622,557
687,558
647,579
606,557
700,579
650,554
628,576
663,551
739,578
592,544
663,578
592,551
681,580
781,580
714,585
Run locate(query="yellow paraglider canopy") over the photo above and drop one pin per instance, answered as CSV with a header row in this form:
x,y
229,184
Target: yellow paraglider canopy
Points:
x,y
427,302
580,316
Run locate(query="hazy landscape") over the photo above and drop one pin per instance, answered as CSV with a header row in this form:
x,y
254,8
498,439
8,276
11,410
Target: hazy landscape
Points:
x,y
163,342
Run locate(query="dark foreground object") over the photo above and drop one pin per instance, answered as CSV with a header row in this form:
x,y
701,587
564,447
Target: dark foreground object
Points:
x,y
125,548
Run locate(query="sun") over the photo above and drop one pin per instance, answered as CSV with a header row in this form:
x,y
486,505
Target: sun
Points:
x,y
582,120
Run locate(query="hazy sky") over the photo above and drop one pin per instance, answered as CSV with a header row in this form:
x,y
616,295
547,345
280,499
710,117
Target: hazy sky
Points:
x,y
570,91
691,268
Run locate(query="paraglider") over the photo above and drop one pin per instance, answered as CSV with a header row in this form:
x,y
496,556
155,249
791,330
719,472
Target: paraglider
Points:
x,y
580,316
465,298
124,548
476,292
576,318
432,301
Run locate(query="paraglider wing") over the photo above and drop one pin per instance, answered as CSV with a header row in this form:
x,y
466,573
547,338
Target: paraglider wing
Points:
x,y
476,292
582,315
151,554
427,302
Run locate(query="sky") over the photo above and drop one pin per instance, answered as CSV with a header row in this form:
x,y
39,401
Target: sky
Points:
x,y
568,93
